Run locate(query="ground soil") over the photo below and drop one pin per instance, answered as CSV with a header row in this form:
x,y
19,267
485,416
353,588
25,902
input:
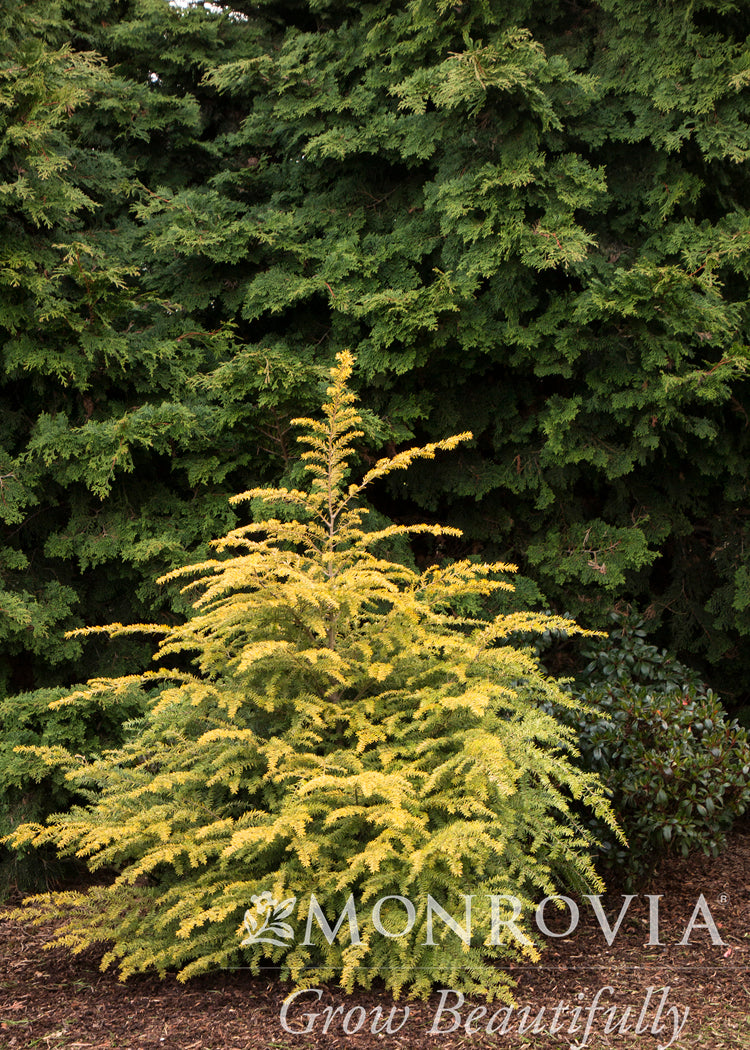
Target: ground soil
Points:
x,y
51,999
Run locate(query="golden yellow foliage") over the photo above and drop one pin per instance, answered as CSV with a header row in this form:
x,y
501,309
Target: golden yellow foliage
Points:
x,y
344,732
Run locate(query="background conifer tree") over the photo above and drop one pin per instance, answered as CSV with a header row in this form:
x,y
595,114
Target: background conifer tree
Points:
x,y
530,224
339,729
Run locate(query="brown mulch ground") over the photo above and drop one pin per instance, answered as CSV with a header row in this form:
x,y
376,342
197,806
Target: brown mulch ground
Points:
x,y
50,999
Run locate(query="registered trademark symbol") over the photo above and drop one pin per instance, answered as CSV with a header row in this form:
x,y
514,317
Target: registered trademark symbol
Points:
x,y
723,898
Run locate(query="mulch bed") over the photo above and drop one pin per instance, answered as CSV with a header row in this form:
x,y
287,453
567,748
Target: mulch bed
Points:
x,y
51,999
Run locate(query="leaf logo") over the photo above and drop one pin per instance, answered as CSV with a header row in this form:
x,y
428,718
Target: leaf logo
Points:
x,y
271,912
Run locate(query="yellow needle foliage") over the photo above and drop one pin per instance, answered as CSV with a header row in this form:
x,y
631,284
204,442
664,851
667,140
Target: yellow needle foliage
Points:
x,y
340,733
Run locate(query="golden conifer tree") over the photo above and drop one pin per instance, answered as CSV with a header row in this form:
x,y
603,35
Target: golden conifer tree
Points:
x,y
340,733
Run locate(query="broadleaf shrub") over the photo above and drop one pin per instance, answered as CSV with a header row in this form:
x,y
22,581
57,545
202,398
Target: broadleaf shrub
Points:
x,y
677,767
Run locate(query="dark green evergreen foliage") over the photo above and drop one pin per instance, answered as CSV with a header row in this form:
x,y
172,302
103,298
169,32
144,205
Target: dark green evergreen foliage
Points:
x,y
112,462
32,782
677,768
529,223
529,219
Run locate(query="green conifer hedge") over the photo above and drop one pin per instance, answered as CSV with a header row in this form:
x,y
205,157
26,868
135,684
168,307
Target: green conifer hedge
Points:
x,y
531,219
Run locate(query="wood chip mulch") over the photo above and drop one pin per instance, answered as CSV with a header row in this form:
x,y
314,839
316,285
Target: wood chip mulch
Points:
x,y
683,996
